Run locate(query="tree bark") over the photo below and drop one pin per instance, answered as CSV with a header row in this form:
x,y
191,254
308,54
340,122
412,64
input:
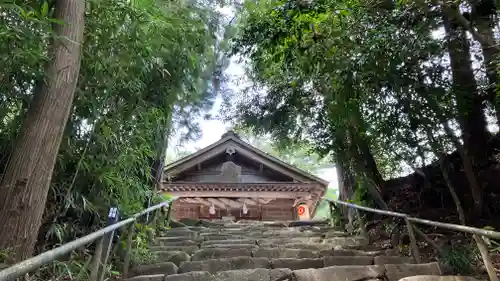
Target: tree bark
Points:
x,y
485,25
26,180
475,187
469,104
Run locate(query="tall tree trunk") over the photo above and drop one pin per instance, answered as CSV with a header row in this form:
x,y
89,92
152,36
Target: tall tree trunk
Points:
x,y
475,187
367,167
469,104
482,17
26,181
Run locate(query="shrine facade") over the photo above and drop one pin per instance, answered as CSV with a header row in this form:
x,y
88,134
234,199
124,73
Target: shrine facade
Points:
x,y
231,178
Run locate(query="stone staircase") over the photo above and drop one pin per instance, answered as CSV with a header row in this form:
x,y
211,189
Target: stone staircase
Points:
x,y
257,251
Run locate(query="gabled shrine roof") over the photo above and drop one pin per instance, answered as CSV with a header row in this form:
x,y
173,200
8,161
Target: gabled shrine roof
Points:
x,y
230,140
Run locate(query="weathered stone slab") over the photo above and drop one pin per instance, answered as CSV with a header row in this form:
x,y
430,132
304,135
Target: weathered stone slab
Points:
x,y
167,242
438,278
191,276
230,246
346,260
308,246
187,249
219,237
352,252
176,224
399,271
393,260
277,253
233,241
216,265
340,273
155,277
259,274
176,239
187,234
215,253
265,242
290,234
346,241
176,257
165,268
295,264
180,230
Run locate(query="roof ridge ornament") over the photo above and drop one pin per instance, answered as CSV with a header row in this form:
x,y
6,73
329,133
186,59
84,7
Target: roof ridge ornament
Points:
x,y
230,133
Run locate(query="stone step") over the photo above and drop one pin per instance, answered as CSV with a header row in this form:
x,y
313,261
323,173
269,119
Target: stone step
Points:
x,y
176,257
393,260
215,253
305,246
187,249
217,265
233,241
161,241
343,260
388,272
410,272
438,278
353,252
278,241
190,276
187,234
230,246
344,273
277,253
355,241
176,239
294,264
396,272
381,257
221,237
165,268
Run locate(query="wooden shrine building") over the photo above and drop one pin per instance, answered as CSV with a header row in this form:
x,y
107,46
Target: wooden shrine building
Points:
x,y
231,178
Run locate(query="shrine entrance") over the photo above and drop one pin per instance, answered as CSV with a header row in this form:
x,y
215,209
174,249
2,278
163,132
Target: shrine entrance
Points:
x,y
231,178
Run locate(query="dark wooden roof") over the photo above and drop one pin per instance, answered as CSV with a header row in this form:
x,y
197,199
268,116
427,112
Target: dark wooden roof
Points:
x,y
231,140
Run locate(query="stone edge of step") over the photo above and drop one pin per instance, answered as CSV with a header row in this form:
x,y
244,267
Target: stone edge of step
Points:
x,y
309,274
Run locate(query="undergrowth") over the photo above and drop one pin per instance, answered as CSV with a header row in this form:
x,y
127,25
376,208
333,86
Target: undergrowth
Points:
x,y
76,266
459,257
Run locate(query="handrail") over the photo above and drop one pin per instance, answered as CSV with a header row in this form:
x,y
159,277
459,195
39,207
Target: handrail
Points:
x,y
451,226
477,232
31,264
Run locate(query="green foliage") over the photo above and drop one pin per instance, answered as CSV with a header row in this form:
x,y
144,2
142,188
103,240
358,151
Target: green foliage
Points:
x,y
322,210
299,155
148,68
141,254
459,257
364,83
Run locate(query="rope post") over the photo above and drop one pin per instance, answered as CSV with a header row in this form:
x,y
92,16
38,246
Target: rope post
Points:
x,y
96,260
128,252
483,248
413,241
